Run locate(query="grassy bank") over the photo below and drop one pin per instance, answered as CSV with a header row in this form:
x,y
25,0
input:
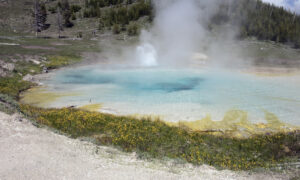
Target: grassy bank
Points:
x,y
156,139
32,55
12,86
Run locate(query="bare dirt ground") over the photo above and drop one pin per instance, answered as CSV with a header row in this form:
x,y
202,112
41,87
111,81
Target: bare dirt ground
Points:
x,y
28,152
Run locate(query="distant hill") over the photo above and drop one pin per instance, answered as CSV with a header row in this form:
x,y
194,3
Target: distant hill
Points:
x,y
252,17
261,20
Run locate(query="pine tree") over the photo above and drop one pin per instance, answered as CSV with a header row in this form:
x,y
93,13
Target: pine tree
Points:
x,y
66,13
116,29
40,17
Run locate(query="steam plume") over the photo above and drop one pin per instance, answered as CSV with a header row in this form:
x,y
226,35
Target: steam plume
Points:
x,y
180,33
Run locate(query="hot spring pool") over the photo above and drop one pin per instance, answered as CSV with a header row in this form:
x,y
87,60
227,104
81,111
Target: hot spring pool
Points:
x,y
177,95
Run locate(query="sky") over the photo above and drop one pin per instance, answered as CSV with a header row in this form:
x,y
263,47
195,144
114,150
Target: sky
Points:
x,y
293,5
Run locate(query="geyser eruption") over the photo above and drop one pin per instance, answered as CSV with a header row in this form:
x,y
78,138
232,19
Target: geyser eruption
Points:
x,y
182,30
175,35
146,55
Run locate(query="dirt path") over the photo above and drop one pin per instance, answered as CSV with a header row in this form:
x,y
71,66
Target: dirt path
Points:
x,y
28,152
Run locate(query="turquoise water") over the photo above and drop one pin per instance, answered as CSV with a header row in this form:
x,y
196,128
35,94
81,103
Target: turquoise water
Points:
x,y
186,94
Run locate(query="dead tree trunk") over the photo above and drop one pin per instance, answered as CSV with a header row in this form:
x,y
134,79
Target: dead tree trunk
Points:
x,y
59,22
36,24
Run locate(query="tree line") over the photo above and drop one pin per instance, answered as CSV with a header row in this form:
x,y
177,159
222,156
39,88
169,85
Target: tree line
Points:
x,y
253,17
64,12
118,14
263,21
115,14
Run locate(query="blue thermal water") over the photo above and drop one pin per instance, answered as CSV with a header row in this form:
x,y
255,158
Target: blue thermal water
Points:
x,y
164,91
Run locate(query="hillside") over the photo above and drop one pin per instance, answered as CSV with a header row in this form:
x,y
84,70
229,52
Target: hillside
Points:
x,y
263,21
251,17
16,17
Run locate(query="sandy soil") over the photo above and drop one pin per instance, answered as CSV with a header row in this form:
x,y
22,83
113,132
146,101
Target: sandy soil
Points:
x,y
272,71
28,152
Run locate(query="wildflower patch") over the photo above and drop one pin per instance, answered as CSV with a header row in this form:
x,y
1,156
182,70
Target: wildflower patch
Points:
x,y
157,139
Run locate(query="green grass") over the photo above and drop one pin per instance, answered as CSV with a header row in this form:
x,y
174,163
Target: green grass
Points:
x,y
24,68
12,86
69,52
157,140
59,61
71,47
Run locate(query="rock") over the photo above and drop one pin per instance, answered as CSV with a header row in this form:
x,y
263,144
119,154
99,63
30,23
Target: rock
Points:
x,y
9,44
9,66
2,73
35,61
43,58
17,117
45,70
28,77
14,60
286,149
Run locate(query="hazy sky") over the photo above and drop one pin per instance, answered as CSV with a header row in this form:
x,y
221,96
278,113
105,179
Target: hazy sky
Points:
x,y
293,5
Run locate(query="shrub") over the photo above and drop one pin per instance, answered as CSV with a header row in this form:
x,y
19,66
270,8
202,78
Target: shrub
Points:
x,y
133,29
101,25
116,29
79,35
53,9
75,8
59,61
73,16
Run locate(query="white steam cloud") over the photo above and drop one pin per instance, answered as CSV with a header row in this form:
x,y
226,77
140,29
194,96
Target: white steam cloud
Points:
x,y
180,34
